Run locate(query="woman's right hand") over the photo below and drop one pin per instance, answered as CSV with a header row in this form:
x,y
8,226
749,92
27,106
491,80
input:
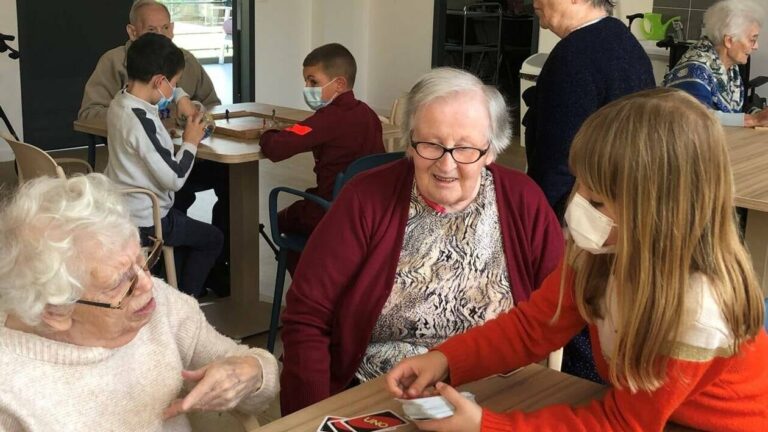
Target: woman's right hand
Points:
x,y
413,377
194,131
761,117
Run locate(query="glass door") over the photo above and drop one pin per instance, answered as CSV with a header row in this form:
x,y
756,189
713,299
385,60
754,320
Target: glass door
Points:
x,y
205,28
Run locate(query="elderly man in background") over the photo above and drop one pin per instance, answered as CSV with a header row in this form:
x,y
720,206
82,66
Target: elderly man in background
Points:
x,y
110,76
709,70
89,341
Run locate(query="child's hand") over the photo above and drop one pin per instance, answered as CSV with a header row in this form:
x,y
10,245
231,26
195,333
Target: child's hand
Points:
x,y
185,107
412,376
194,131
466,417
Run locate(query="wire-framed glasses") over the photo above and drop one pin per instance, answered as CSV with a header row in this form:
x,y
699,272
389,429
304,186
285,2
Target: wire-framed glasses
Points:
x,y
152,258
434,151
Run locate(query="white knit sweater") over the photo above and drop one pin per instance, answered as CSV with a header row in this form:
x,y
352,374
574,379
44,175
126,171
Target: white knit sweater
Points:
x,y
53,386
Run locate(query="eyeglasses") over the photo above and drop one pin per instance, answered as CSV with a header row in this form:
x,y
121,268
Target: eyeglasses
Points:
x,y
152,258
462,155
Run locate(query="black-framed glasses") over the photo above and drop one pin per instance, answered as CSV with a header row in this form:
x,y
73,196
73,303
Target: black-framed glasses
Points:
x,y
152,258
434,151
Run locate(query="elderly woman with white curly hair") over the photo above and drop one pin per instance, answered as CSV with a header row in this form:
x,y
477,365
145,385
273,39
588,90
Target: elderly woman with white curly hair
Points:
x,y
89,340
421,249
709,69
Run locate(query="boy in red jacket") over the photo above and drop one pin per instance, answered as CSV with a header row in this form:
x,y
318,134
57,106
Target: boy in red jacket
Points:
x,y
342,130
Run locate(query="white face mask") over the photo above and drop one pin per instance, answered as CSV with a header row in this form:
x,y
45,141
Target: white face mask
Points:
x,y
313,96
588,227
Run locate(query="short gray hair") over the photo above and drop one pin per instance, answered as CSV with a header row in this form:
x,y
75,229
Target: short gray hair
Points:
x,y
731,18
443,82
49,229
133,15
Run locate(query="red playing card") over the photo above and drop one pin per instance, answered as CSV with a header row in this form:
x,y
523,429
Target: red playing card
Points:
x,y
299,129
375,421
325,425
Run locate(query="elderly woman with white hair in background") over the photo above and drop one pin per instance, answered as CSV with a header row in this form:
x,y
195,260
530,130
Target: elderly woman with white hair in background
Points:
x,y
709,69
421,249
89,340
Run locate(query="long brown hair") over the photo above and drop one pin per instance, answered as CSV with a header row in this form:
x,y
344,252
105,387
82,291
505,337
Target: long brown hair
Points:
x,y
660,157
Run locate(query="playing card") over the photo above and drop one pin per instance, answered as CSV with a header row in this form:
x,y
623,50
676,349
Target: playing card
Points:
x,y
382,420
325,427
339,426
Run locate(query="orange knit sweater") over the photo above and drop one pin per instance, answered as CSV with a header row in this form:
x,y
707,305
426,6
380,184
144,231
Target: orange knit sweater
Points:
x,y
703,390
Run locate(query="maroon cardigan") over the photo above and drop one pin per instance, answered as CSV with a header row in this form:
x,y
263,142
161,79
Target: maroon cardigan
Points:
x,y
348,268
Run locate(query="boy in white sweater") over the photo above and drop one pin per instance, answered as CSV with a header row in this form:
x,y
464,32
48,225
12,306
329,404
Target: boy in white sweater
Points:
x,y
141,154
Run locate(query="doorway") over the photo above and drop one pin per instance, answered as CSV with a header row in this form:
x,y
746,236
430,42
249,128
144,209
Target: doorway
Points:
x,y
216,32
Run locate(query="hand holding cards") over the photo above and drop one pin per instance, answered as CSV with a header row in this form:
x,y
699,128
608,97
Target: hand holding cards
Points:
x,y
434,407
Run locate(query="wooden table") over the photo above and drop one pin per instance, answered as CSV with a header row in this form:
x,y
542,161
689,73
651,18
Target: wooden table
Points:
x,y
234,316
748,151
530,388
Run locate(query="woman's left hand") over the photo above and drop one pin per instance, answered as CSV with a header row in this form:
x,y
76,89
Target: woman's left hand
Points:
x,y
466,416
220,385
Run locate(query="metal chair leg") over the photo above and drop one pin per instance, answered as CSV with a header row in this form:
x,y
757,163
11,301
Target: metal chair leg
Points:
x,y
282,261
263,233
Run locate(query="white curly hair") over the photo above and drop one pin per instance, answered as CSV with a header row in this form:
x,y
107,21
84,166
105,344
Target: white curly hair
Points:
x,y
51,230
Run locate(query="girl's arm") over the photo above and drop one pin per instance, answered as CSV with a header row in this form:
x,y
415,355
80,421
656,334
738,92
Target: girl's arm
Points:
x,y
517,338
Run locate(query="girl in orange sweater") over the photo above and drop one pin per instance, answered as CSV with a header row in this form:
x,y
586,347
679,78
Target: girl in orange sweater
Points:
x,y
654,266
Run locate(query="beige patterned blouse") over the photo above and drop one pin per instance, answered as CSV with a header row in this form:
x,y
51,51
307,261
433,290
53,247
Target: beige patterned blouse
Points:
x,y
451,276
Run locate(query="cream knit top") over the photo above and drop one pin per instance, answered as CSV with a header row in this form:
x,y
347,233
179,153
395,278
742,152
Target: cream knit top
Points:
x,y
52,386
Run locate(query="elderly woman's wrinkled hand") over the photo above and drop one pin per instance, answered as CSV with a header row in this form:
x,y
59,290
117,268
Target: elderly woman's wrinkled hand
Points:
x,y
220,385
762,117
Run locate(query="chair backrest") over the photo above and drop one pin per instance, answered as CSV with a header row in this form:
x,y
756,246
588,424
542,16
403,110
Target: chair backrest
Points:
x,y
33,162
362,164
398,111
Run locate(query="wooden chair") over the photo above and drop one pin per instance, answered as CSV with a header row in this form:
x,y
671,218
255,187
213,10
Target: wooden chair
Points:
x,y
33,162
168,260
395,118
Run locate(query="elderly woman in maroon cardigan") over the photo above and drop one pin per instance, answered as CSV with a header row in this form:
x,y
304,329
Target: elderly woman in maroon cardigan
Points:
x,y
419,250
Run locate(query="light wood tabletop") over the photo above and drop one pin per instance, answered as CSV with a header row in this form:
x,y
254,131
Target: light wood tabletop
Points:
x,y
748,151
528,389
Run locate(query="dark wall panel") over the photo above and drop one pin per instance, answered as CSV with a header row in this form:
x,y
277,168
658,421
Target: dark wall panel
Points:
x,y
60,42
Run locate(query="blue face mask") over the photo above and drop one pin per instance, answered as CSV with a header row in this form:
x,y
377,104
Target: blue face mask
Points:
x,y
165,101
313,96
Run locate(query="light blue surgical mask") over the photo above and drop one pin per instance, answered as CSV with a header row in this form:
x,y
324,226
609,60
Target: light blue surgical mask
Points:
x,y
165,101
313,96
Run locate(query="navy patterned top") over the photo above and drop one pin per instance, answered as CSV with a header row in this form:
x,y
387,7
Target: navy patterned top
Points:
x,y
702,74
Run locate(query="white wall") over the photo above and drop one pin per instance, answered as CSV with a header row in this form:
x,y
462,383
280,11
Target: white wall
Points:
x,y
283,30
400,47
759,64
390,39
10,78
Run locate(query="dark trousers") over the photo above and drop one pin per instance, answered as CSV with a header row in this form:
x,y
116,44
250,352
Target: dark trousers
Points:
x,y
209,175
196,245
